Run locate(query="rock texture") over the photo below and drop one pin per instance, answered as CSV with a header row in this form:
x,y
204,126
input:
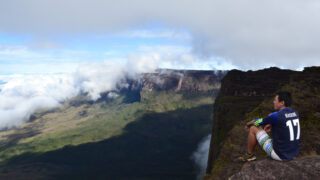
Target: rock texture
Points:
x,y
199,81
148,132
298,169
248,95
255,83
182,80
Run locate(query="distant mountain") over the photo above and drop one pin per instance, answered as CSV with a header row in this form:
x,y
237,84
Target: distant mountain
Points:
x,y
147,129
248,95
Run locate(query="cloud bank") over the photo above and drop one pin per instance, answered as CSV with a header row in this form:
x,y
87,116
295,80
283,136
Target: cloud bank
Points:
x,y
22,95
248,33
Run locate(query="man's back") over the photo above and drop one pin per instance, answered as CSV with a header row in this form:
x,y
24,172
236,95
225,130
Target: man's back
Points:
x,y
286,133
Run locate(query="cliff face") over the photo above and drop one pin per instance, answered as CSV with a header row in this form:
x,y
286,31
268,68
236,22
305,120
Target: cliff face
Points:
x,y
182,80
175,81
147,129
248,95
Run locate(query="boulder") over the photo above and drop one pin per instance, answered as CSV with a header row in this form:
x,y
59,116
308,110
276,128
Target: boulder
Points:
x,y
300,168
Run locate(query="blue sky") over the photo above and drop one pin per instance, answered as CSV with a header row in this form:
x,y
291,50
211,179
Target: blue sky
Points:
x,y
59,54
39,36
52,50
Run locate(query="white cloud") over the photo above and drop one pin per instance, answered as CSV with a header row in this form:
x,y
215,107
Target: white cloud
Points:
x,y
15,51
43,45
112,95
181,57
24,53
22,95
30,60
143,63
97,78
249,33
156,33
23,109
226,34
165,49
147,58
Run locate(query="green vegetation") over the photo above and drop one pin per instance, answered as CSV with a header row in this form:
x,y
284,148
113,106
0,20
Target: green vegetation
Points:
x,y
231,112
158,134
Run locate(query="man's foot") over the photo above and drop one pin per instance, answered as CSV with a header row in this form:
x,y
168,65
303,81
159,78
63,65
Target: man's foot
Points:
x,y
247,157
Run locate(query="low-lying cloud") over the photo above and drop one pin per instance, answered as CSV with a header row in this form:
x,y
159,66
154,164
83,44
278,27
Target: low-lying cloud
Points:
x,y
22,95
96,78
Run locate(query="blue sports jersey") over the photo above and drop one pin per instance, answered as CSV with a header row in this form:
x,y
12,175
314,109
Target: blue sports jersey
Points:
x,y
285,132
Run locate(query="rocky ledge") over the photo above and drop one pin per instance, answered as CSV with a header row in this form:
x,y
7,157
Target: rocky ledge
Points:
x,y
300,168
247,95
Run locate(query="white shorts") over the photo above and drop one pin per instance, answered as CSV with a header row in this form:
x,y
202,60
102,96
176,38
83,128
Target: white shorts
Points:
x,y
266,143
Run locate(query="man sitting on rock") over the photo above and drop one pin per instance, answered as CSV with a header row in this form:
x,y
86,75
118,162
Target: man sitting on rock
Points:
x,y
285,131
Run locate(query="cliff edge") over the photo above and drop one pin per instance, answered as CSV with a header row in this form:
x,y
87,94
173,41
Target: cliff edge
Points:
x,y
297,169
248,95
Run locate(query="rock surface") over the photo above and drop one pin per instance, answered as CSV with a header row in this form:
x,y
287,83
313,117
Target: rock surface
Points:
x,y
248,95
182,80
300,168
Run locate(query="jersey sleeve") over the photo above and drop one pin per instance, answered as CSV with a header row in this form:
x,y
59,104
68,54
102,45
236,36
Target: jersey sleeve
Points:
x,y
271,119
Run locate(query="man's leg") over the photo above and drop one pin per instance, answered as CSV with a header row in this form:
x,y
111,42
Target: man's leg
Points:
x,y
252,140
266,143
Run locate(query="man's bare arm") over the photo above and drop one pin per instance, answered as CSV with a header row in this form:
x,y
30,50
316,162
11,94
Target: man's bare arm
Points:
x,y
268,128
249,124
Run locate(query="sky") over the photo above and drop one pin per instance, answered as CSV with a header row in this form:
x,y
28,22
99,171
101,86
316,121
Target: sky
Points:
x,y
53,50
44,36
25,54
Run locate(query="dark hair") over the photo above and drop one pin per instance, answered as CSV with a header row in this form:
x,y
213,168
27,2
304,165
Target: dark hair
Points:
x,y
286,97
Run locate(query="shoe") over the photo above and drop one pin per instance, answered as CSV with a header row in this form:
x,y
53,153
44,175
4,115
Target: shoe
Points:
x,y
247,157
